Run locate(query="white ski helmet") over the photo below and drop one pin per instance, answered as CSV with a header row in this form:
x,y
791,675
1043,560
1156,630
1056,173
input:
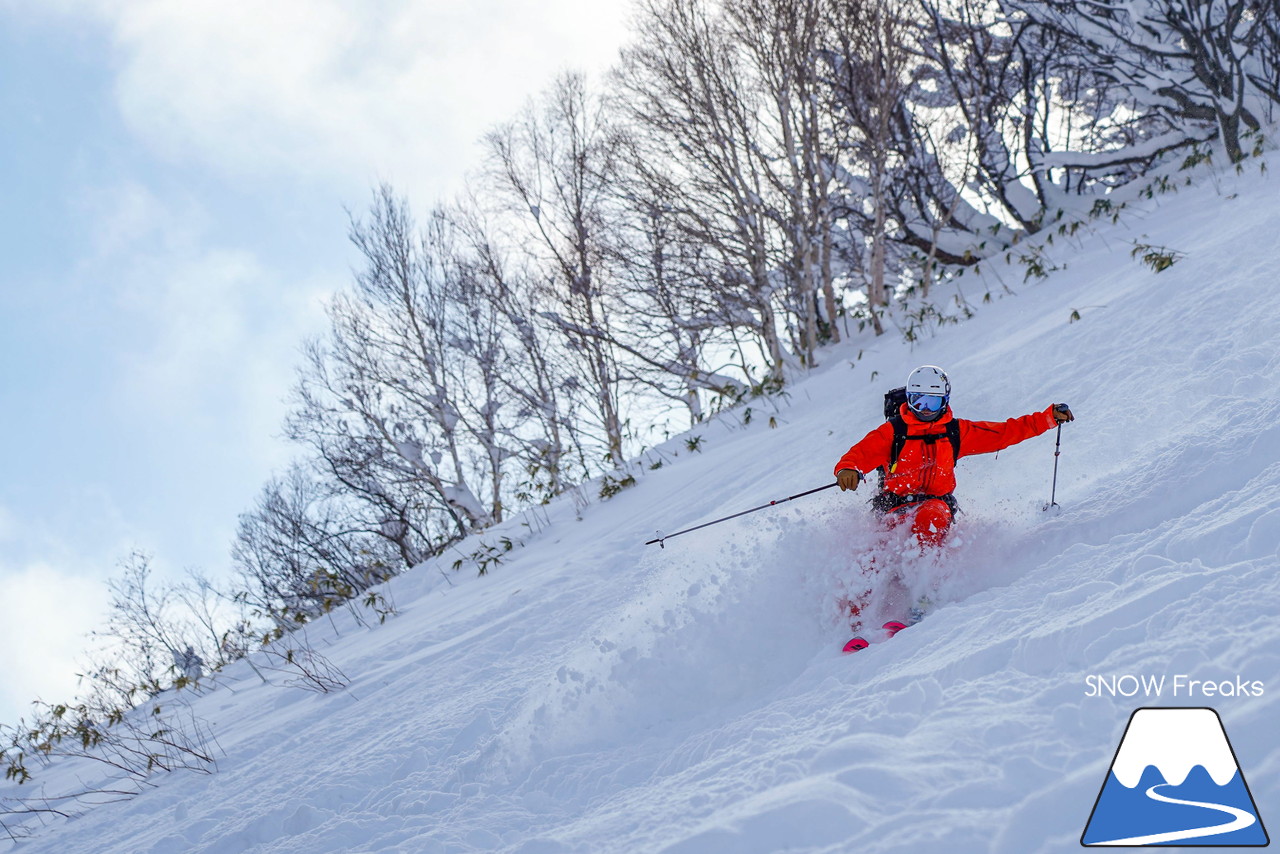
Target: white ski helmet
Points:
x,y
928,391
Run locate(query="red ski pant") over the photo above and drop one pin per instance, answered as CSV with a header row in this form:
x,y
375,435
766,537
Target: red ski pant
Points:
x,y
929,519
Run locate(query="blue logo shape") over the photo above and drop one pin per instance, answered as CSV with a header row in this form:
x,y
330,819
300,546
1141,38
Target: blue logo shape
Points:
x,y
1175,781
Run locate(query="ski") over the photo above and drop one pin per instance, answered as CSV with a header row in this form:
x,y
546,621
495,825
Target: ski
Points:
x,y
857,644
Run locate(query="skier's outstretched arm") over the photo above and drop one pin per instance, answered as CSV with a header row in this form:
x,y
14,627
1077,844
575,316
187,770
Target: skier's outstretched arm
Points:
x,y
987,437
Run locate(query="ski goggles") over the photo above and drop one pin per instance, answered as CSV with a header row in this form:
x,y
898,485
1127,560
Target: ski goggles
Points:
x,y
921,402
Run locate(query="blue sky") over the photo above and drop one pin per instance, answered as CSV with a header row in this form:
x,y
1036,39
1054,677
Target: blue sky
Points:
x,y
174,176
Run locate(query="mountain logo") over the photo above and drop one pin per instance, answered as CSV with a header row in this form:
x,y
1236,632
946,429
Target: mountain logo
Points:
x,y
1175,781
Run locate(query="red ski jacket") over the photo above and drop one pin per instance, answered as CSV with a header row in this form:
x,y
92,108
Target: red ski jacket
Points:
x,y
928,468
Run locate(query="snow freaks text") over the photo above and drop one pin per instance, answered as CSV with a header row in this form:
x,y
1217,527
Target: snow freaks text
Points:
x,y
1180,685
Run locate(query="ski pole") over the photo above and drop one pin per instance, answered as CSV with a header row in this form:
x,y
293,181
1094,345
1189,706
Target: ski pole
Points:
x,y
660,540
1057,452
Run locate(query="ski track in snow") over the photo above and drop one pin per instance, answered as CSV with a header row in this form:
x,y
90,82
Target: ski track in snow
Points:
x,y
592,694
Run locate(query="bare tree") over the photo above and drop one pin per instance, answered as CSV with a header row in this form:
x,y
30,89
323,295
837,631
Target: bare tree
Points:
x,y
540,423
870,63
553,167
218,628
378,401
781,42
698,114
675,320
135,646
397,323
303,549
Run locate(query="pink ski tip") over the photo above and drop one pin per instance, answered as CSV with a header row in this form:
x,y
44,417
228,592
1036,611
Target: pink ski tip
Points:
x,y
855,645
893,627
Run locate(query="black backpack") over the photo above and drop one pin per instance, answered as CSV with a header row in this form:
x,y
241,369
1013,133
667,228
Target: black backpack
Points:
x,y
893,400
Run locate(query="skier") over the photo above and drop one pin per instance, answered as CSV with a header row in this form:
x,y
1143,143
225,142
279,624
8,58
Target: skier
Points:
x,y
917,449
920,477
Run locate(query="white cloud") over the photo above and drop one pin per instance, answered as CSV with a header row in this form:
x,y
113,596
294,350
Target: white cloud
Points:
x,y
221,337
124,216
347,90
48,614
197,330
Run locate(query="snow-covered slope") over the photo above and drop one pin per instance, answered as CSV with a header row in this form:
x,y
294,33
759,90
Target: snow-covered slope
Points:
x,y
594,694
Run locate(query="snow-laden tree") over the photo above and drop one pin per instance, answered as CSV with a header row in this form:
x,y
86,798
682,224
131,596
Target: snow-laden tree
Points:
x,y
1207,66
1022,103
1005,118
